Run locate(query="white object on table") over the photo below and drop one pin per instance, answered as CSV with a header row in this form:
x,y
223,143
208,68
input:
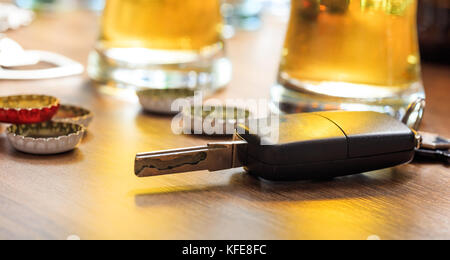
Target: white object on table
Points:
x,y
13,55
13,17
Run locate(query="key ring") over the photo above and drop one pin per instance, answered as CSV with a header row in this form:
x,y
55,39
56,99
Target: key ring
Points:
x,y
416,109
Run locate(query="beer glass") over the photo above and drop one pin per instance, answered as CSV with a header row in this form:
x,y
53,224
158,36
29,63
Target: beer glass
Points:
x,y
160,44
351,55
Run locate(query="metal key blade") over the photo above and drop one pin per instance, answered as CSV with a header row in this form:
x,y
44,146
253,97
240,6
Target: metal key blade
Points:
x,y
434,147
434,141
213,157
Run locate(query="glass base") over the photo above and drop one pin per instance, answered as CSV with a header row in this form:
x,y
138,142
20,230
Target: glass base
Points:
x,y
392,101
122,72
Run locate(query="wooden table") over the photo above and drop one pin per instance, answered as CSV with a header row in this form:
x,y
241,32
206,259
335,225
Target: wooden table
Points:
x,y
92,192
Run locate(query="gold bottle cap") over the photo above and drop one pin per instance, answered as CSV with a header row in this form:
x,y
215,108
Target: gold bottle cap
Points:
x,y
222,120
74,114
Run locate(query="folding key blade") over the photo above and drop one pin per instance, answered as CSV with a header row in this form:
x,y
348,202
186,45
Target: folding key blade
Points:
x,y
434,141
213,157
434,147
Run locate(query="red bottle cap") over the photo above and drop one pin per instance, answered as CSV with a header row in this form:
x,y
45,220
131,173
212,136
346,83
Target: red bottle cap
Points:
x,y
27,109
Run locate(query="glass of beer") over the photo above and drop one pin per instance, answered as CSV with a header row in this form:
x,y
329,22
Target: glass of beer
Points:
x,y
351,55
160,44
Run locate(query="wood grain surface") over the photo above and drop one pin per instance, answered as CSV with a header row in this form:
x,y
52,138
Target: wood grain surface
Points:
x,y
92,192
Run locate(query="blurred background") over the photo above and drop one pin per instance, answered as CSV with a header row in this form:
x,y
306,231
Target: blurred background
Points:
x,y
109,63
433,19
434,33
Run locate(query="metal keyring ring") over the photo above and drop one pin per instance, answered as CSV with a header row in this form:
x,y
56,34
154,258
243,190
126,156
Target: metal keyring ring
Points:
x,y
418,108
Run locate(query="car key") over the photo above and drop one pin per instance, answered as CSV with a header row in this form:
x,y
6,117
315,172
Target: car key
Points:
x,y
309,146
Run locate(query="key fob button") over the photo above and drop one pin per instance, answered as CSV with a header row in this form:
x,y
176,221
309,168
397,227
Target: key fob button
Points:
x,y
301,139
371,133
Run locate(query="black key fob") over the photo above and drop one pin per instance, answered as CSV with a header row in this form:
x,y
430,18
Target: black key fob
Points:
x,y
326,145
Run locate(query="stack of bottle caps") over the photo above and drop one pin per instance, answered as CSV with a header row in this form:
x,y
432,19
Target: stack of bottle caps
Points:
x,y
41,125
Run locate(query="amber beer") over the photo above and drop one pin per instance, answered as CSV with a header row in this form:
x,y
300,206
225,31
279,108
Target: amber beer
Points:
x,y
355,52
160,43
189,25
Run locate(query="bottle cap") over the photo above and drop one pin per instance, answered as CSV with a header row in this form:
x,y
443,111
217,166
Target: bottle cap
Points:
x,y
27,109
160,100
223,120
73,114
45,138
